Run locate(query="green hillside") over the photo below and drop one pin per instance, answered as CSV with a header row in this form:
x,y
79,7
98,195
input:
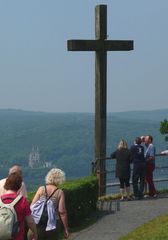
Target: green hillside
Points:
x,y
66,140
154,115
61,138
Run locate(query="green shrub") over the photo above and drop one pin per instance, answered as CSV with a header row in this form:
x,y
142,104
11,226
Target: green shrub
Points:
x,y
164,127
81,197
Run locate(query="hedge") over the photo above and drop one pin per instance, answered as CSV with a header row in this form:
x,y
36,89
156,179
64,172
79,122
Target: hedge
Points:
x,y
81,198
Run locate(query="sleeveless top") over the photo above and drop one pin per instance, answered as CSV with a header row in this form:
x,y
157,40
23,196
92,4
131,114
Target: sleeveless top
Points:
x,y
55,198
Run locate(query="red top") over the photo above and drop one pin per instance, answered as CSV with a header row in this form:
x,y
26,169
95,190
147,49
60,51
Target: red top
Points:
x,y
22,209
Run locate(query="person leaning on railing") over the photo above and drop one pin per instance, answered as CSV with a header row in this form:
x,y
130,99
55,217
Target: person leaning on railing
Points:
x,y
150,164
139,168
123,158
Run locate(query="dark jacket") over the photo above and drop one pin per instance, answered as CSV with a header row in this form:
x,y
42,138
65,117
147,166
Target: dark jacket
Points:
x,y
122,157
137,154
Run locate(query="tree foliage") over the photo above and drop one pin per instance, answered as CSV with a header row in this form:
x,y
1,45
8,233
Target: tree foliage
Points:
x,y
164,127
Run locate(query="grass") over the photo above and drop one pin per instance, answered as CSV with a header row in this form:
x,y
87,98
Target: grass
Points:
x,y
109,197
117,195
155,229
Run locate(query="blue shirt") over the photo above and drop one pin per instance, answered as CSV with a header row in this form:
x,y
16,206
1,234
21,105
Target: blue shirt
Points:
x,y
150,152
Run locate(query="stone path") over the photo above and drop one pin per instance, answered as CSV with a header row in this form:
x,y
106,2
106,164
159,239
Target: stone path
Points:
x,y
132,214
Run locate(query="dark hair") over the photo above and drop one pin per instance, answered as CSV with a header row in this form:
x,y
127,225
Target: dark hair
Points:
x,y
13,182
150,137
138,140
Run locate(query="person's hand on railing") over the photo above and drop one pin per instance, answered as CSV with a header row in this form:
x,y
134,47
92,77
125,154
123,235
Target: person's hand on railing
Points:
x,y
164,152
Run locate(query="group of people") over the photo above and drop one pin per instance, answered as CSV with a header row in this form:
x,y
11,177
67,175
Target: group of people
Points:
x,y
13,185
142,155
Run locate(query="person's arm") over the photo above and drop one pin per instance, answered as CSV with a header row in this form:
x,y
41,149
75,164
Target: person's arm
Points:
x,y
63,214
113,155
150,158
151,154
37,195
64,220
31,224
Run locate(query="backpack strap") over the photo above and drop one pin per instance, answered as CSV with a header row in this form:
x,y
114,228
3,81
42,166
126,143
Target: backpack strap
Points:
x,y
46,191
48,197
13,203
16,200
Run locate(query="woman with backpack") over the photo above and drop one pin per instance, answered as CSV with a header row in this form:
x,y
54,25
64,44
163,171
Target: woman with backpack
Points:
x,y
52,197
16,211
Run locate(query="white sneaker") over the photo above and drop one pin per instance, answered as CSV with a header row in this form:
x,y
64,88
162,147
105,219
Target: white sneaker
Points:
x,y
146,196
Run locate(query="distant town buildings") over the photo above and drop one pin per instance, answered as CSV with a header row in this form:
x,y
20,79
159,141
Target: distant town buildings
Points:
x,y
47,164
34,160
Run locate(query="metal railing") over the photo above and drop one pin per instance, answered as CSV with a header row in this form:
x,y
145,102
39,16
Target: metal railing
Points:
x,y
160,174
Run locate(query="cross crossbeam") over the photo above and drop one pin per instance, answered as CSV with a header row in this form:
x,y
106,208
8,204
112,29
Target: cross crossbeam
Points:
x,y
100,45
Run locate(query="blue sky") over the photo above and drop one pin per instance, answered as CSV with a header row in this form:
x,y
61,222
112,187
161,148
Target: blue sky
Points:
x,y
38,73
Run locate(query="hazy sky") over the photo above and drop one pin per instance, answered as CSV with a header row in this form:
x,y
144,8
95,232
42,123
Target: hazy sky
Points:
x,y
38,73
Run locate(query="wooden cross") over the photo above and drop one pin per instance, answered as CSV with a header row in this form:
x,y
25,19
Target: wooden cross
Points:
x,y
100,45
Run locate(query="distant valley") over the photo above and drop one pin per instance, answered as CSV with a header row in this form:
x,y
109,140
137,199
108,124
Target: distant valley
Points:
x,y
66,140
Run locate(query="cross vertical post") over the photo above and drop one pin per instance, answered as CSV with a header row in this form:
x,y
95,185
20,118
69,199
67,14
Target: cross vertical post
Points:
x,y
100,96
100,45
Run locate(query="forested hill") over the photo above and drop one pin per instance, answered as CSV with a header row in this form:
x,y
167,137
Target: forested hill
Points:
x,y
63,139
66,140
155,115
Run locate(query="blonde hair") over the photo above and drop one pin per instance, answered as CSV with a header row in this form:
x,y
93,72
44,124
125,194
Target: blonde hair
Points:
x,y
122,144
55,177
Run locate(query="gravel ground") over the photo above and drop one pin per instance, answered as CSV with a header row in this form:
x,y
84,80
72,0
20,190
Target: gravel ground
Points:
x,y
131,215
